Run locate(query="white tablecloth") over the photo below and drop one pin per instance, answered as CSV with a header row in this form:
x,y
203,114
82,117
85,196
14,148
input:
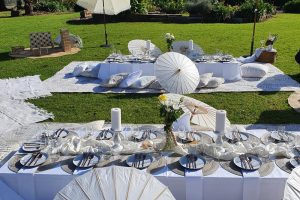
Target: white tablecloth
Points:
x,y
229,71
220,185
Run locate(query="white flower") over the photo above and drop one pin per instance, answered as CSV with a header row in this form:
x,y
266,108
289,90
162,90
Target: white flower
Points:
x,y
168,35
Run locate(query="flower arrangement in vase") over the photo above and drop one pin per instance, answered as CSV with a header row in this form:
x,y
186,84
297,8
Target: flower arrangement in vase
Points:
x,y
270,41
170,111
170,38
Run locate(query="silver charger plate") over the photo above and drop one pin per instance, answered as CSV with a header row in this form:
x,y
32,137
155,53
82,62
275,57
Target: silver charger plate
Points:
x,y
131,160
294,162
90,163
254,160
244,136
28,161
199,162
32,146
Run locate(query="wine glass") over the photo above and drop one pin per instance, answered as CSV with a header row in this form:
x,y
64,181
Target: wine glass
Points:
x,y
262,43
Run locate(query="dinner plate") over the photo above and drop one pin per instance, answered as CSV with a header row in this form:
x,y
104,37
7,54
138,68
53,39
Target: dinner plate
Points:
x,y
253,160
275,135
244,136
104,135
61,133
138,136
33,159
297,149
183,139
192,161
294,162
86,160
141,162
32,146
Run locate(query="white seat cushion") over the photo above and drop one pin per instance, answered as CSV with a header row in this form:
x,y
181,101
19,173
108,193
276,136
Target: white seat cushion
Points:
x,y
215,82
87,70
130,79
143,82
114,80
254,70
204,79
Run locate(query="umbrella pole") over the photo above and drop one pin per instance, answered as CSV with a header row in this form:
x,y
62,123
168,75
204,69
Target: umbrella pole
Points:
x,y
106,45
254,25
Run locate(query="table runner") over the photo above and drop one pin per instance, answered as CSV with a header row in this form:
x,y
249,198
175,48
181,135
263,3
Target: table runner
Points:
x,y
275,80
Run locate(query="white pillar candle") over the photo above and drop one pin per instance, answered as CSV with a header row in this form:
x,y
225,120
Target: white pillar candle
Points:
x,y
191,45
116,119
148,44
220,121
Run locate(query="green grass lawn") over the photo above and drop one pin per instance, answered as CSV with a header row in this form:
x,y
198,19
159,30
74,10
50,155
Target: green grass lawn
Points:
x,y
235,39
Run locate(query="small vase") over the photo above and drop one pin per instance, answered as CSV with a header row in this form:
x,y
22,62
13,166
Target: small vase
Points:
x,y
170,140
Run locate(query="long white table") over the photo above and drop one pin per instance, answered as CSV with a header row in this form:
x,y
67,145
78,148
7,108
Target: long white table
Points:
x,y
230,71
220,185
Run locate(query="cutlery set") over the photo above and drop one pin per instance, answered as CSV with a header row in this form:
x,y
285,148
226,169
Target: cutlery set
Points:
x,y
236,136
58,133
139,160
103,135
86,159
146,135
191,161
246,162
33,159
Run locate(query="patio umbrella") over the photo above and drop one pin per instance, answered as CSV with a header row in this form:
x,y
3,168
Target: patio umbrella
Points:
x,y
201,113
105,7
115,183
176,73
140,47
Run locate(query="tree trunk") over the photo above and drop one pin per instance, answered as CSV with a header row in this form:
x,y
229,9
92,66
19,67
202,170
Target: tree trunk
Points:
x,y
28,7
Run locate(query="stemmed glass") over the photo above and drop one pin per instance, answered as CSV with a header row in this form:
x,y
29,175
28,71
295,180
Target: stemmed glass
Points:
x,y
262,43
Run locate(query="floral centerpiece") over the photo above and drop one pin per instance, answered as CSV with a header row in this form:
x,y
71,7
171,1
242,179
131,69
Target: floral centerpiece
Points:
x,y
170,38
171,111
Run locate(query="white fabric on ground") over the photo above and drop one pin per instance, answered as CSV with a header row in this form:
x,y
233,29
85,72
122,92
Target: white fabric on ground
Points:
x,y
275,80
251,58
16,113
27,87
254,70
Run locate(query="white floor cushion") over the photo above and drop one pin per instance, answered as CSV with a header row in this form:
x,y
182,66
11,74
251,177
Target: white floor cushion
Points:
x,y
215,82
87,70
114,80
204,79
254,70
143,82
130,79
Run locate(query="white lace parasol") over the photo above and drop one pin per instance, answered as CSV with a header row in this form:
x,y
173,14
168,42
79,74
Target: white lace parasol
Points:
x,y
115,183
140,47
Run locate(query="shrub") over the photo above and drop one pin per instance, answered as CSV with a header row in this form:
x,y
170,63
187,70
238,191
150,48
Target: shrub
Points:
x,y
234,2
170,6
54,5
199,7
292,6
246,10
49,6
277,3
221,13
139,6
